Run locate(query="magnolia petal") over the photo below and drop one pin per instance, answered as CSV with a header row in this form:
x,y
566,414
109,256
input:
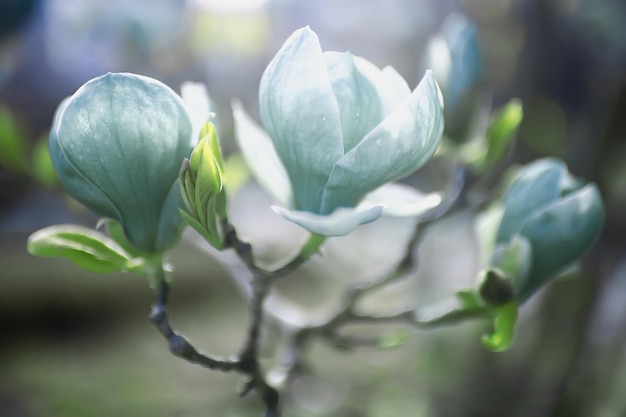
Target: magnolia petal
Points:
x,y
198,102
560,234
515,259
339,223
258,151
539,184
359,105
466,58
399,200
300,112
72,178
168,229
399,145
391,86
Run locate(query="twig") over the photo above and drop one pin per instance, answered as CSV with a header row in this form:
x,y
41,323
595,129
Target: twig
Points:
x,y
328,329
246,364
262,280
178,344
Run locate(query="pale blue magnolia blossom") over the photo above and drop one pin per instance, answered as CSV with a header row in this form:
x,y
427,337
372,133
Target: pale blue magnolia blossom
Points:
x,y
117,145
337,131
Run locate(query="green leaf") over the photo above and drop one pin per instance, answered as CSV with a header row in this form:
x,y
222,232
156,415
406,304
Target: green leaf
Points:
x,y
469,300
504,318
394,340
502,130
42,168
12,146
214,240
87,248
188,188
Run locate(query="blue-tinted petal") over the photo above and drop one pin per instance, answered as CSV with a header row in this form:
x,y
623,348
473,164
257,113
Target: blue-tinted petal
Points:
x,y
258,150
538,184
390,85
399,145
299,110
169,224
466,57
339,223
399,200
71,177
360,107
560,234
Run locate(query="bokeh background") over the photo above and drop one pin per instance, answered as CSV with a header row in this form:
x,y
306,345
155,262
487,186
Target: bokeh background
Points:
x,y
78,344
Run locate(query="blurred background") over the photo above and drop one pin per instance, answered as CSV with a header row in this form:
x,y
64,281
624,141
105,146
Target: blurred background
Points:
x,y
78,344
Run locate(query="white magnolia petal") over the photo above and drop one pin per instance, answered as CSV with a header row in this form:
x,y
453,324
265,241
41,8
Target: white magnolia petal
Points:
x,y
339,223
399,200
360,107
391,86
198,104
258,151
398,146
299,110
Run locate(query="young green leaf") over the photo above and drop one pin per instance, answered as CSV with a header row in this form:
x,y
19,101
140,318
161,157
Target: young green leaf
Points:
x,y
502,130
42,168
469,300
87,248
12,145
214,240
504,318
394,340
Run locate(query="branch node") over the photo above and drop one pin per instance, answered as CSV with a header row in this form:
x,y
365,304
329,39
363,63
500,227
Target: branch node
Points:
x,y
180,347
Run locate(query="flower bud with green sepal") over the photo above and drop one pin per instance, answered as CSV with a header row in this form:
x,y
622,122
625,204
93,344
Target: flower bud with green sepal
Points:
x,y
202,188
117,145
550,219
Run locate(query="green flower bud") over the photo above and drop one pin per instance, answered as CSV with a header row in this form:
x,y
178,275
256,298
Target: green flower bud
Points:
x,y
203,188
117,145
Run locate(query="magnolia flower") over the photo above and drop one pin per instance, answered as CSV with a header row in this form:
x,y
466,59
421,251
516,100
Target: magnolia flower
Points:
x,y
550,220
336,129
454,54
117,145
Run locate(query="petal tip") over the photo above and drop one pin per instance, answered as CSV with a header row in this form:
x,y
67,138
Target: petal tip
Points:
x,y
339,223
